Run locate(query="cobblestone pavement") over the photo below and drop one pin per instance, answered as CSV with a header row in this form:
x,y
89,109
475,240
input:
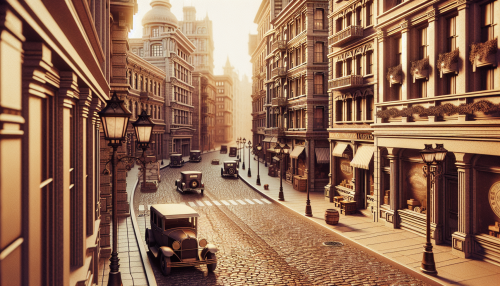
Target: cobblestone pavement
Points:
x,y
261,242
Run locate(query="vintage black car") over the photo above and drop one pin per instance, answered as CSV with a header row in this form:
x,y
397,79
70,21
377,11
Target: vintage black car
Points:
x,y
230,169
176,160
223,149
195,156
190,181
232,151
173,238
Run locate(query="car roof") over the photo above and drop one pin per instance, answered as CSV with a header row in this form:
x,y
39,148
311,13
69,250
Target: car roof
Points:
x,y
191,172
171,211
195,151
230,162
175,154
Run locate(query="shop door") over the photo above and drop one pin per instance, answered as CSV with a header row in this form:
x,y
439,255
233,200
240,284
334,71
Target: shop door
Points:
x,y
185,150
451,207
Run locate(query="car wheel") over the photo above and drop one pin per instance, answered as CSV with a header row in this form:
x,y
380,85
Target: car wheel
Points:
x,y
211,267
221,172
165,270
231,171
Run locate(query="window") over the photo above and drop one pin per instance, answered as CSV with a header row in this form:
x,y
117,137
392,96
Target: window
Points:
x,y
340,72
348,19
422,88
399,51
452,33
318,83
318,52
451,84
338,25
156,51
369,62
487,78
155,32
422,48
319,112
369,108
369,14
348,103
487,22
304,59
348,63
358,17
359,66
318,19
359,109
338,110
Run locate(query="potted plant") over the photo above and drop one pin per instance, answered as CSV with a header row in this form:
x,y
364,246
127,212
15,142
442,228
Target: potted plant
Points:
x,y
447,62
483,54
420,69
394,74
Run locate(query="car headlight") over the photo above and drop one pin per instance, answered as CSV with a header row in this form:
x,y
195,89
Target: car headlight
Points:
x,y
176,245
203,243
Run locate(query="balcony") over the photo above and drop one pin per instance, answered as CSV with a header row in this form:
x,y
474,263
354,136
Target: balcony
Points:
x,y
278,45
345,82
279,101
277,131
346,35
278,72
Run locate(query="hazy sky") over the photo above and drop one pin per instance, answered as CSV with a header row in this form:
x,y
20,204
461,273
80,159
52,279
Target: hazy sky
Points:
x,y
232,21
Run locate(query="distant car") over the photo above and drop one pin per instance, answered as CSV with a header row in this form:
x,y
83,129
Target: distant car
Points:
x,y
223,149
230,169
173,238
190,181
195,156
232,151
176,160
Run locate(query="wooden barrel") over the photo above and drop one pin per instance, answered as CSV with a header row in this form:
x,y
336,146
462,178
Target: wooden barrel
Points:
x,y
331,216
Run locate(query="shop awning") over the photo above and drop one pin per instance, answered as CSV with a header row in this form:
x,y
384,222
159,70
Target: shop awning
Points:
x,y
322,155
274,140
296,152
267,139
363,157
339,149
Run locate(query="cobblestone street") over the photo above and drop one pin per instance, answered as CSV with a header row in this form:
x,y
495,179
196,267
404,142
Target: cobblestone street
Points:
x,y
261,242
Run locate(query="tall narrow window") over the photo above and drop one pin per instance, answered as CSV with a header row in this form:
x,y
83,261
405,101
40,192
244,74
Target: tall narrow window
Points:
x,y
339,69
487,78
422,47
451,84
318,52
155,32
318,83
304,58
487,22
358,17
348,69
452,33
338,110
369,62
369,108
369,14
348,103
359,66
348,19
359,109
318,19
319,112
399,51
339,25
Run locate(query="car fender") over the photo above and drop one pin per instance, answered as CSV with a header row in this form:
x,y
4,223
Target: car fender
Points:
x,y
212,248
167,251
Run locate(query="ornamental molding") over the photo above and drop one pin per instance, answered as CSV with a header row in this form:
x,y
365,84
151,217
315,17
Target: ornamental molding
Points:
x,y
361,50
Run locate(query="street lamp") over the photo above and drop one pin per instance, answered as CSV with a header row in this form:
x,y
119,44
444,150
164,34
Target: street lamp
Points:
x,y
281,152
243,147
430,155
238,148
258,151
249,149
115,117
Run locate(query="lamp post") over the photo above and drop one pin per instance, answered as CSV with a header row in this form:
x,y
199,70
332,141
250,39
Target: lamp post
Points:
x,y
430,155
243,147
115,118
308,202
238,148
258,150
281,151
249,149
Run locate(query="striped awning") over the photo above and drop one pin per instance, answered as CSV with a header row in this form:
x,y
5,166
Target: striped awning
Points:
x,y
322,155
296,152
339,149
363,157
267,139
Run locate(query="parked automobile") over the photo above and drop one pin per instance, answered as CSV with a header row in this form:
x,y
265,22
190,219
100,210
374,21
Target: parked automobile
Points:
x,y
230,169
223,149
173,238
176,160
232,151
190,181
195,156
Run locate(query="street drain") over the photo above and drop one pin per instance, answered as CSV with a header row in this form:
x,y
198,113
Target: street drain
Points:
x,y
333,243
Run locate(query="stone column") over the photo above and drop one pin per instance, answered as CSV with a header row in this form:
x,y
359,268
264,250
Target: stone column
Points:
x,y
432,52
392,216
381,65
330,188
462,239
464,82
405,60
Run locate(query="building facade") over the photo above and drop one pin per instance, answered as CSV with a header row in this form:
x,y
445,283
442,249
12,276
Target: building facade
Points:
x,y
164,45
432,71
223,109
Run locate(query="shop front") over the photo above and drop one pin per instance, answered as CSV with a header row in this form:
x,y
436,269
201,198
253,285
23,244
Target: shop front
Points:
x,y
181,140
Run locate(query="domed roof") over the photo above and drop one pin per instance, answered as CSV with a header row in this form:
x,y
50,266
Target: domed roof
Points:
x,y
160,13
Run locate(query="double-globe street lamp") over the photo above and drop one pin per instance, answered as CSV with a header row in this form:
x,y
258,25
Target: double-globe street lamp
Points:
x,y
281,151
430,155
258,150
238,148
115,117
249,151
243,141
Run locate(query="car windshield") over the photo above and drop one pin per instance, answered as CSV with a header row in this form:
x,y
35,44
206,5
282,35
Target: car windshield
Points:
x,y
179,222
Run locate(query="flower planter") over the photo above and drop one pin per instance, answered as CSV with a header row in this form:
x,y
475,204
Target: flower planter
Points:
x,y
452,68
394,80
420,74
489,60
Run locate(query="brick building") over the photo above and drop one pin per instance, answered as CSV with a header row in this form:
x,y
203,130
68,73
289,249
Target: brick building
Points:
x,y
223,109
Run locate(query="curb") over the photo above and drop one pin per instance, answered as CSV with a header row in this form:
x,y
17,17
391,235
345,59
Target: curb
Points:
x,y
381,257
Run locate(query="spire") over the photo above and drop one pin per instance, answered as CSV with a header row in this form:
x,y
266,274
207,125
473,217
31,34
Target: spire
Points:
x,y
228,64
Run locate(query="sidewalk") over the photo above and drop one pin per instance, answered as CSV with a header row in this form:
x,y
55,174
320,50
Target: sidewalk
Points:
x,y
394,245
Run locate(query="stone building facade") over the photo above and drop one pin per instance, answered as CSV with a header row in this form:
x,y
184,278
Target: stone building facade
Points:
x,y
164,45
294,60
223,109
432,70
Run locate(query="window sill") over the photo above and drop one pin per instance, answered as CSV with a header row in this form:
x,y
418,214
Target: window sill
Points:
x,y
368,75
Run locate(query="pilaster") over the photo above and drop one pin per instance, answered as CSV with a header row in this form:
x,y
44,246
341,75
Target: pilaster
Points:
x,y
382,68
462,239
464,84
405,60
432,52
392,216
